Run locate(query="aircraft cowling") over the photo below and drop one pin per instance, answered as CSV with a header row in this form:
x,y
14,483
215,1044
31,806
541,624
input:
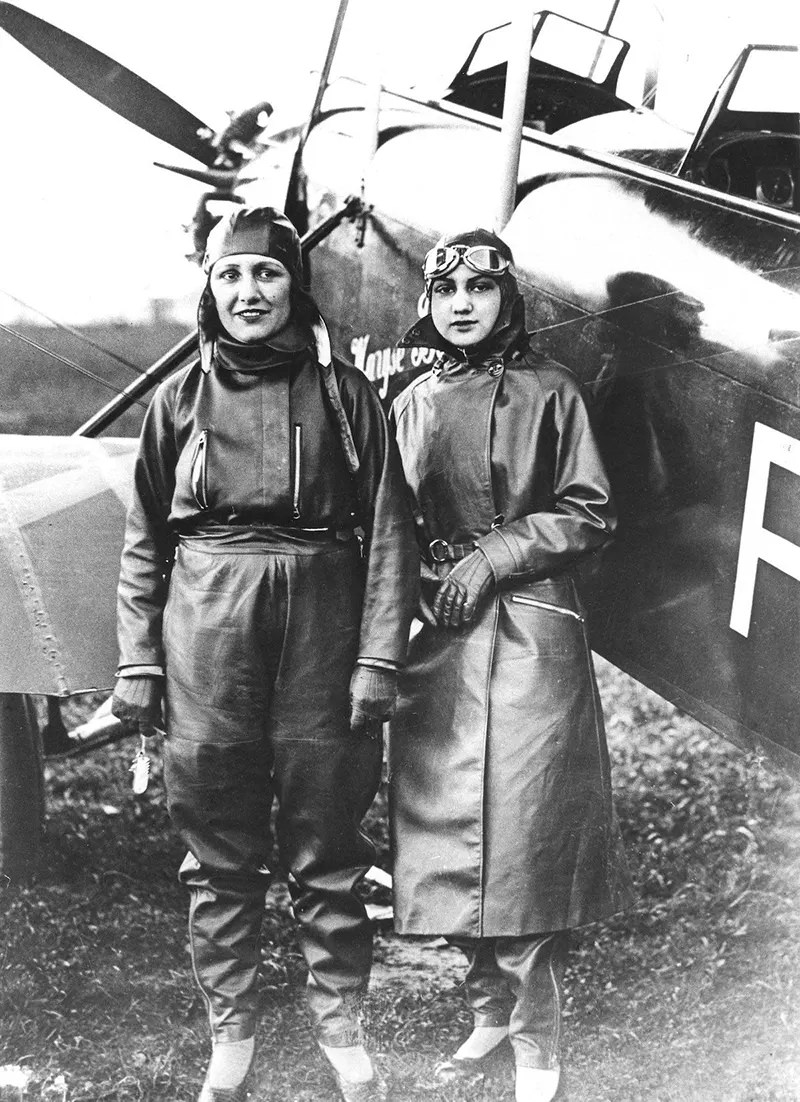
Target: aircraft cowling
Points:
x,y
62,517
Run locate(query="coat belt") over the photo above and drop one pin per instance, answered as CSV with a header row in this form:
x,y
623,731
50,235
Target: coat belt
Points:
x,y
442,551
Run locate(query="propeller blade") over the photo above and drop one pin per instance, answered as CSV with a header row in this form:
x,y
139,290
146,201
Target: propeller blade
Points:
x,y
110,83
224,179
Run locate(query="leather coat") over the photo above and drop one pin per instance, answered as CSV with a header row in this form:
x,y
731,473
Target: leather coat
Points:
x,y
503,822
268,448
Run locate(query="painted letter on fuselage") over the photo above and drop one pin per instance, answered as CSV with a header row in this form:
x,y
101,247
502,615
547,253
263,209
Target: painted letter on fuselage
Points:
x,y
757,543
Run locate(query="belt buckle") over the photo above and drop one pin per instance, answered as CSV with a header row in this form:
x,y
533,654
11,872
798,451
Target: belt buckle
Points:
x,y
438,550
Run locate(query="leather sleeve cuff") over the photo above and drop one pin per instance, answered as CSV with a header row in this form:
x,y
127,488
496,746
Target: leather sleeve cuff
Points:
x,y
140,671
498,551
379,664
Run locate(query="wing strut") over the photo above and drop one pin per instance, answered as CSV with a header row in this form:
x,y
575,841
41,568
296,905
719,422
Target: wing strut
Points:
x,y
324,76
519,63
295,206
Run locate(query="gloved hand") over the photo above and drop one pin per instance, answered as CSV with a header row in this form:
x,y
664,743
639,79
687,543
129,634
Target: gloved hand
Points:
x,y
460,592
373,698
137,703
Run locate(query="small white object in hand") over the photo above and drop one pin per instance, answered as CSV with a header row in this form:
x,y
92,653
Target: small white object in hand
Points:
x,y
140,767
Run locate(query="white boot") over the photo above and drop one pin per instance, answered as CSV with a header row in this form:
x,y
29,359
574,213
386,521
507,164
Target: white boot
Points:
x,y
227,1071
351,1063
483,1040
355,1074
536,1084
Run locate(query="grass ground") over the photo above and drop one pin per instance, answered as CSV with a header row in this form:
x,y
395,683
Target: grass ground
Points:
x,y
692,996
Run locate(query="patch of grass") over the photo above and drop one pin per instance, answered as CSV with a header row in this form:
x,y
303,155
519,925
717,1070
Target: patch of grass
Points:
x,y
691,996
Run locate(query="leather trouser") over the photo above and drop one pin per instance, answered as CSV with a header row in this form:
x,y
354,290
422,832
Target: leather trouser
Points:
x,y
261,641
516,981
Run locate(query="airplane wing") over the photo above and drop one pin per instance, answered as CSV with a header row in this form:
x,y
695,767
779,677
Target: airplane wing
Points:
x,y
62,515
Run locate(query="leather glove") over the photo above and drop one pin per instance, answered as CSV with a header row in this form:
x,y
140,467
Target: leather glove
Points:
x,y
137,703
373,698
461,591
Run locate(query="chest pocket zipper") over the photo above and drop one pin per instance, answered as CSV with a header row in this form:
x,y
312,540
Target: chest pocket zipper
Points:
x,y
298,452
520,600
198,470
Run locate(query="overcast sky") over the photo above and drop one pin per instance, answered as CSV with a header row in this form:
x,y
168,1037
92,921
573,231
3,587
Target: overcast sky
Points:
x,y
91,229
80,188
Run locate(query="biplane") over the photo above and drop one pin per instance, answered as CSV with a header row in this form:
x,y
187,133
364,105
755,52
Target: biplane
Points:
x,y
659,264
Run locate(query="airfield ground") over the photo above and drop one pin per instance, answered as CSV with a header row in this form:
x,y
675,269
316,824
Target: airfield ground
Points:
x,y
693,996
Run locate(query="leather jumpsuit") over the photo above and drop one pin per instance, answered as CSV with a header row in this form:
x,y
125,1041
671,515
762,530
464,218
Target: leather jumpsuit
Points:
x,y
242,577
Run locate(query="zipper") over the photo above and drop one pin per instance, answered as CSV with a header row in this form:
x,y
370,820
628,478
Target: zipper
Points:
x,y
298,451
198,475
520,600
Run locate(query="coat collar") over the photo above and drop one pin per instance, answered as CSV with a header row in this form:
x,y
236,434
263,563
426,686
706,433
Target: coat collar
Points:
x,y
508,337
206,342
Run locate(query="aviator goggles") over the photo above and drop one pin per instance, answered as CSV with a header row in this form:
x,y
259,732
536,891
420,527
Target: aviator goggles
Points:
x,y
485,259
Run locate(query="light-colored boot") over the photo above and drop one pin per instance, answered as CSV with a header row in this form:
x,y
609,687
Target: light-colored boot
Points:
x,y
356,1077
536,1084
222,1094
228,1071
485,1048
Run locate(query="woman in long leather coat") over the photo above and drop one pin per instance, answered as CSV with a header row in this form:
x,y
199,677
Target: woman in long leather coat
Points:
x,y
503,827
245,594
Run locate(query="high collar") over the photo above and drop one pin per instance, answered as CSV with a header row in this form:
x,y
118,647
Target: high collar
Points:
x,y
279,350
208,328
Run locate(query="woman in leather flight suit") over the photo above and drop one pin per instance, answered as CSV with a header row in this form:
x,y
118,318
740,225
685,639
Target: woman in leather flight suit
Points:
x,y
503,827
244,593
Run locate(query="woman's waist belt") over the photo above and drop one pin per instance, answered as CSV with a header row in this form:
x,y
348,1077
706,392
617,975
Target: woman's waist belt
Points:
x,y
442,551
256,537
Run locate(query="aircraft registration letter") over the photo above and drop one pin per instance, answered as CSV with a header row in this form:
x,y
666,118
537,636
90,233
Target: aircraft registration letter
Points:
x,y
757,542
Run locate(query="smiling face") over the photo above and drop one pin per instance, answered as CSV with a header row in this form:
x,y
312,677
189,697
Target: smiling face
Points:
x,y
252,296
465,306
